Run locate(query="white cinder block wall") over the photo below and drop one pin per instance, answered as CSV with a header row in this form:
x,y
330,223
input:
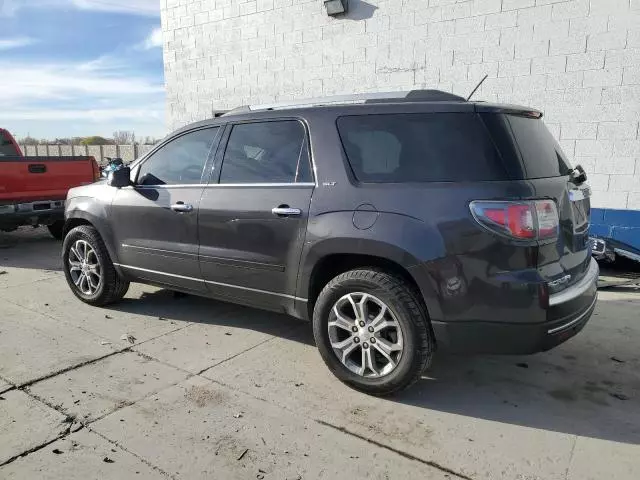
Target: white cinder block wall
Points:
x,y
576,60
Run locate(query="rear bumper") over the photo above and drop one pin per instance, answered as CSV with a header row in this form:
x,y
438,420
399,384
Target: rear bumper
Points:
x,y
568,313
42,212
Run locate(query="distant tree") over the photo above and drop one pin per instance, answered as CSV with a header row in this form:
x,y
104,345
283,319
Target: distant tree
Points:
x,y
28,140
67,141
149,141
96,140
124,137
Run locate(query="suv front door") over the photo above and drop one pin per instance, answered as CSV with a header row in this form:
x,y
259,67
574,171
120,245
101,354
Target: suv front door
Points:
x,y
253,216
155,221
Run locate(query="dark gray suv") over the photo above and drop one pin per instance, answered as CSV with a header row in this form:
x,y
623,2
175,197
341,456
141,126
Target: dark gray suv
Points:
x,y
397,223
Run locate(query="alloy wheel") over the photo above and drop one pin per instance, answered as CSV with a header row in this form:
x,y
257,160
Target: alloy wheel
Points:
x,y
84,267
365,335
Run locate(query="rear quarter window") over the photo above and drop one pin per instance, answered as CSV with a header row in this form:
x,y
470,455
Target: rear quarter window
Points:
x,y
430,147
528,148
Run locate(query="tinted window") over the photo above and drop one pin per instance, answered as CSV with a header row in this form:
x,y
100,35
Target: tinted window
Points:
x,y
527,147
179,162
267,152
6,147
541,153
438,147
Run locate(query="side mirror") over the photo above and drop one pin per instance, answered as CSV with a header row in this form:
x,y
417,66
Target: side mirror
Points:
x,y
119,178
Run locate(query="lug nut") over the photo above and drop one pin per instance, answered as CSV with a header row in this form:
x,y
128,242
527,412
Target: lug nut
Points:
x,y
365,345
372,339
371,329
361,323
357,340
354,329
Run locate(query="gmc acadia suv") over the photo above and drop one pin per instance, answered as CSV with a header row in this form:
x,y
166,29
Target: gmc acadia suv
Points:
x,y
396,223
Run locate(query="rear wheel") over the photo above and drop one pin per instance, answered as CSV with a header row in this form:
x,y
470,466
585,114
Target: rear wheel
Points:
x,y
88,268
56,229
372,331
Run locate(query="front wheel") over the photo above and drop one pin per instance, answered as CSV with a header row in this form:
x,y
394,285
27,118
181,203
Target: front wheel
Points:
x,y
372,331
88,268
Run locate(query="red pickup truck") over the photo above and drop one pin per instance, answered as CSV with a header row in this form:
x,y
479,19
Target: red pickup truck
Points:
x,y
33,189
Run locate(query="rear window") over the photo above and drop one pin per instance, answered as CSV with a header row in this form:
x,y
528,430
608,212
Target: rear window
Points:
x,y
431,147
6,146
527,147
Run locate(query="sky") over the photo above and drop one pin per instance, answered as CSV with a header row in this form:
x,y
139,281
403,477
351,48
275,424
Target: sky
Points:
x,y
81,67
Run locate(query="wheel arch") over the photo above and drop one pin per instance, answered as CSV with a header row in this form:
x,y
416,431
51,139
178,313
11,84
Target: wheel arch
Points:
x,y
335,256
75,218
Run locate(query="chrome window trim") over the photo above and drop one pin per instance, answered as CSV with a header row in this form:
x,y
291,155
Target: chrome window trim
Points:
x,y
257,290
307,138
137,163
292,184
216,185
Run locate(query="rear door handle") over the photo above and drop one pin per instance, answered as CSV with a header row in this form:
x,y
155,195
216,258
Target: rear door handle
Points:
x,y
181,207
285,211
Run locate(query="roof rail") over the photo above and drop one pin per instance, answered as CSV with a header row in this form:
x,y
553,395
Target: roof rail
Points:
x,y
358,98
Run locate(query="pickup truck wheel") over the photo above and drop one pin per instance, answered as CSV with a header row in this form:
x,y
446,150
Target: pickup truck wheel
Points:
x,y
56,229
88,268
372,331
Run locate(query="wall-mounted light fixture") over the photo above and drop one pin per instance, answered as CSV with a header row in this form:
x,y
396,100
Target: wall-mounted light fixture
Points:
x,y
336,7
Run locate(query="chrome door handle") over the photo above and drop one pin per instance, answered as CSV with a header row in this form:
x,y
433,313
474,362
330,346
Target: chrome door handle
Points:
x,y
181,207
286,211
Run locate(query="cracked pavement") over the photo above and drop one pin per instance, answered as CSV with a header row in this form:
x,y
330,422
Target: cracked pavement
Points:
x,y
213,390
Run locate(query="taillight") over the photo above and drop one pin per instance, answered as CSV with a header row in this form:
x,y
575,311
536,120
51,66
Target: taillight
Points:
x,y
95,169
547,217
522,220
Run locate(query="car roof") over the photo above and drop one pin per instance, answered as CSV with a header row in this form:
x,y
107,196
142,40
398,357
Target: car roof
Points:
x,y
413,101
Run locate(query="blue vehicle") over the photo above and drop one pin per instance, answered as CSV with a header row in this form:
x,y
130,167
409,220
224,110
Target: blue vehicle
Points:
x,y
113,164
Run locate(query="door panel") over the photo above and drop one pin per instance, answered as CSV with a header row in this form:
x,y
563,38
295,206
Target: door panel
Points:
x,y
155,242
245,247
248,252
155,222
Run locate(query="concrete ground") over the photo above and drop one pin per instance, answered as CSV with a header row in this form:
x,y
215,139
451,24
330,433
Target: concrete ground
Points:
x,y
212,390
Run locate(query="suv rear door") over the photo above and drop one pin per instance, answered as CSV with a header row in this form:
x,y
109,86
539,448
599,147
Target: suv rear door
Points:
x,y
155,221
253,215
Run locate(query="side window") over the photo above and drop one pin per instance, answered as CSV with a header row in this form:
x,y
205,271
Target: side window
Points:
x,y
181,161
267,152
419,147
7,148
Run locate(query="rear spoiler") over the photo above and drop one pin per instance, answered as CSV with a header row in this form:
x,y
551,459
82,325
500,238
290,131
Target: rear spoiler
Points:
x,y
519,110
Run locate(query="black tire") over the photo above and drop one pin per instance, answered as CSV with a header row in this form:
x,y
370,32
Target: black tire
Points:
x,y
403,301
111,287
56,229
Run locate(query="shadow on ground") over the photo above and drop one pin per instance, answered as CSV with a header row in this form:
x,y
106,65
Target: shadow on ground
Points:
x,y
589,386
32,248
576,389
168,305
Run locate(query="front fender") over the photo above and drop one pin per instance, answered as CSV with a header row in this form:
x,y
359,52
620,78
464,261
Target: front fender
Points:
x,y
93,211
